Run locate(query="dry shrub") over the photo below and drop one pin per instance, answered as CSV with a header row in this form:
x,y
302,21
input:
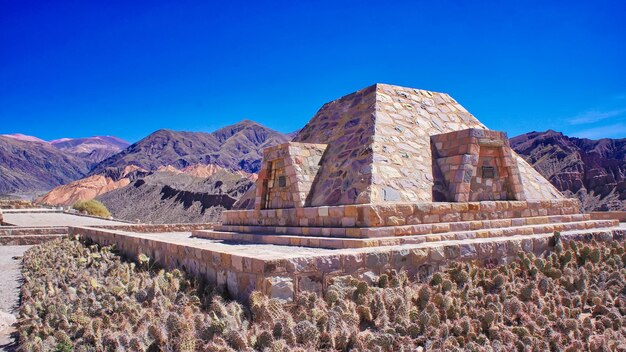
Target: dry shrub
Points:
x,y
92,207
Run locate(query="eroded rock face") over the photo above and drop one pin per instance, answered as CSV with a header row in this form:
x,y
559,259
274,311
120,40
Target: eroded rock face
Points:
x,y
91,187
592,170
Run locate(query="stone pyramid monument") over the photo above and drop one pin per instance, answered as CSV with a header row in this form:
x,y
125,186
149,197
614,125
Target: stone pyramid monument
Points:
x,y
391,165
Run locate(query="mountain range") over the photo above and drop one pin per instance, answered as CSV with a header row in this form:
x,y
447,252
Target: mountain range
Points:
x,y
29,164
192,176
93,149
235,147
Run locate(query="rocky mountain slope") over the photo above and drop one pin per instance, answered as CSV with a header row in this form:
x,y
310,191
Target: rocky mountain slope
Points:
x,y
235,147
175,197
23,137
93,149
592,170
27,165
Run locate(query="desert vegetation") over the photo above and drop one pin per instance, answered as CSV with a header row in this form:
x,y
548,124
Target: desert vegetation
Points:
x,y
92,207
83,297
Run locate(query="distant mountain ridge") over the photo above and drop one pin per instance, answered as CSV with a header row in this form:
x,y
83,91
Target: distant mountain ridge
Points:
x,y
27,166
95,149
30,164
592,170
23,137
235,147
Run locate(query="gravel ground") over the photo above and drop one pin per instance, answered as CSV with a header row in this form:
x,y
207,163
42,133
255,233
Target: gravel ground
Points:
x,y
10,282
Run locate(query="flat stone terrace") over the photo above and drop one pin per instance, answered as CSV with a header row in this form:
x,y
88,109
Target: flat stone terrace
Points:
x,y
46,217
283,271
37,225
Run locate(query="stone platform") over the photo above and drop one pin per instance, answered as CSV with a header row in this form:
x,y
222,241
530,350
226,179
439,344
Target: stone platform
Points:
x,y
370,225
283,271
28,226
393,214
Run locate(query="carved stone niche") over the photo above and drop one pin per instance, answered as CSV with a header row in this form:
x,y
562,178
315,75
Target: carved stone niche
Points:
x,y
476,165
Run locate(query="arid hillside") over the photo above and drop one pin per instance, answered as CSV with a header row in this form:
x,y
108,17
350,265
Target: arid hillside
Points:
x,y
27,165
175,197
592,170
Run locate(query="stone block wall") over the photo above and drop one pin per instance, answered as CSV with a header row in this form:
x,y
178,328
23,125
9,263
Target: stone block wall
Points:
x,y
607,215
285,277
346,126
287,173
395,214
477,165
377,149
158,228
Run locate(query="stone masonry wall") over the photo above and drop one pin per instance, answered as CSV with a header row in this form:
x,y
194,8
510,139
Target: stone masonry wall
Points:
x,y
285,277
462,157
157,228
405,120
497,185
373,215
346,126
297,164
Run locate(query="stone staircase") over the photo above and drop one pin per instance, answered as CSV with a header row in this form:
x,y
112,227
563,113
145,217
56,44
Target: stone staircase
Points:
x,y
342,237
18,236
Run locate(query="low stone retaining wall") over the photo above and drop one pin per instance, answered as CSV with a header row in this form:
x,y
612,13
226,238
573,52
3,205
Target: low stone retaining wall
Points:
x,y
15,204
27,239
608,215
285,275
29,231
20,235
153,228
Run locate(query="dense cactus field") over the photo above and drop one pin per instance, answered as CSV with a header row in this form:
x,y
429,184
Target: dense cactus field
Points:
x,y
86,298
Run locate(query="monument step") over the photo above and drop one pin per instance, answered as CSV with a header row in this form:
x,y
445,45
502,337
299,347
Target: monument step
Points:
x,y
373,215
402,229
337,243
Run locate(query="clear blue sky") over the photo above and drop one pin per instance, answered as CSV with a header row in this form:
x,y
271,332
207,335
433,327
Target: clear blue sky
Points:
x,y
127,68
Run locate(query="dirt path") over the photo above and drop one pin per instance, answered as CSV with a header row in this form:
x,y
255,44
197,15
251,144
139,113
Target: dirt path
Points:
x,y
10,281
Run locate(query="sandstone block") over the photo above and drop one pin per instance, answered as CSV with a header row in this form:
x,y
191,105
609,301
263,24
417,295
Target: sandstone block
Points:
x,y
279,287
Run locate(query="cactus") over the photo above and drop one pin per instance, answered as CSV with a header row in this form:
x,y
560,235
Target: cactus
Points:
x,y
306,333
436,279
595,255
236,340
532,302
423,296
